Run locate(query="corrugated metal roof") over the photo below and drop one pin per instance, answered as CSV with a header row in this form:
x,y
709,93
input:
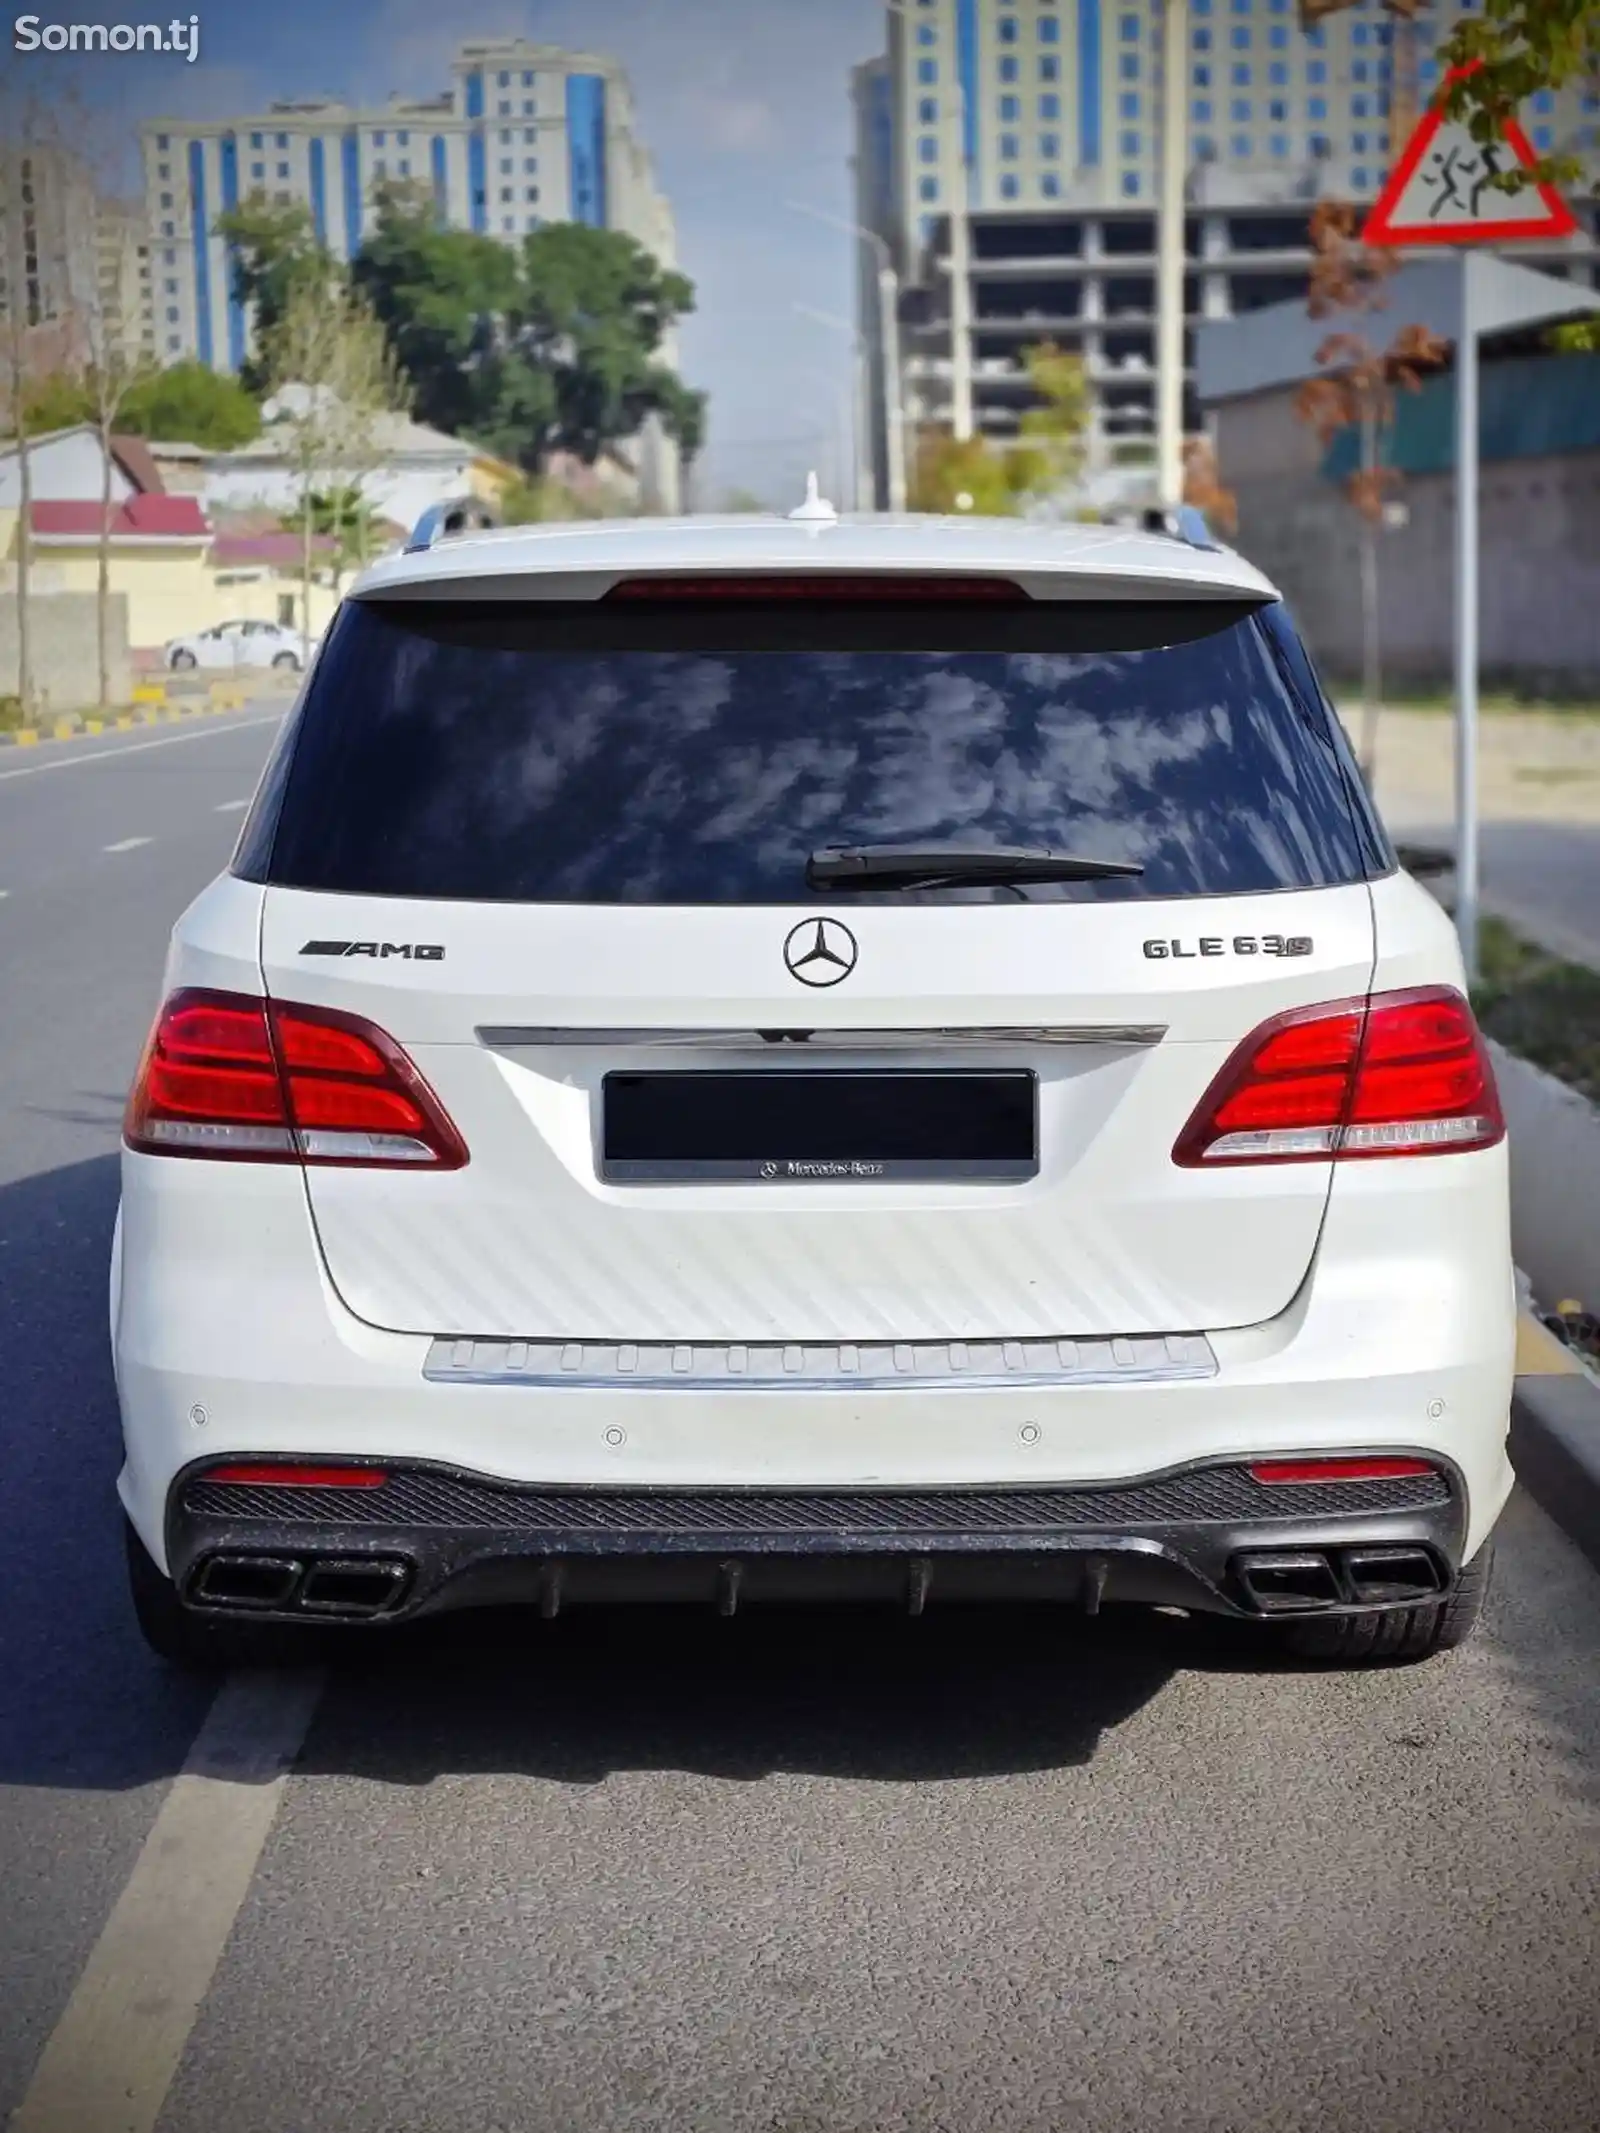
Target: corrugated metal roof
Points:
x,y
1278,345
1530,407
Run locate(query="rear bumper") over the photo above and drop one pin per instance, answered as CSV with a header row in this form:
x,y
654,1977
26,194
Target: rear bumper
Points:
x,y
1207,1537
230,1343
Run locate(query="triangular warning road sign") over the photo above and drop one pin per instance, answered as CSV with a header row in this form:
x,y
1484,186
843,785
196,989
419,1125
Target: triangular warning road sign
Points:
x,y
1439,191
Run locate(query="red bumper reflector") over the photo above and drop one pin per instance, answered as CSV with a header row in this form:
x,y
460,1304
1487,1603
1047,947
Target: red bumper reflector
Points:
x,y
299,1477
1289,1470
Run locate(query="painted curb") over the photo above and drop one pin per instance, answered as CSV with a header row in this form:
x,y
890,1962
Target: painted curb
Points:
x,y
82,724
1555,1448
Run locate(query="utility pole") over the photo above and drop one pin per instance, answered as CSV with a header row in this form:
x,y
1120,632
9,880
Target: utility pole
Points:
x,y
1170,252
860,480
889,344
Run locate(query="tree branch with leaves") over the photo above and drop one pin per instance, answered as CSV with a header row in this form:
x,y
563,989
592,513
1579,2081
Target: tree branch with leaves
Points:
x,y
334,379
1358,379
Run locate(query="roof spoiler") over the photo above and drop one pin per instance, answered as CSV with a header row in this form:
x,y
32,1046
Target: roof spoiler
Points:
x,y
462,514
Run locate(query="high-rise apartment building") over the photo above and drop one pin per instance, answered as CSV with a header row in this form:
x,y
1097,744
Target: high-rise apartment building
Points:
x,y
1062,97
525,134
74,266
1056,106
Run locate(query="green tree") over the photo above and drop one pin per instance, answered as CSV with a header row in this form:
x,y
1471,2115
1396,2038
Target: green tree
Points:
x,y
343,515
997,481
331,369
443,297
275,254
1514,48
593,311
188,404
60,400
955,474
535,500
1054,430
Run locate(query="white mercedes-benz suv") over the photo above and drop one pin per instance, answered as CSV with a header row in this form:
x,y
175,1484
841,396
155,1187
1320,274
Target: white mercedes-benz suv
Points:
x,y
747,1060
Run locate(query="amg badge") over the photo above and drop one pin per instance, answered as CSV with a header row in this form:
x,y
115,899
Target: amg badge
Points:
x,y
1239,944
412,951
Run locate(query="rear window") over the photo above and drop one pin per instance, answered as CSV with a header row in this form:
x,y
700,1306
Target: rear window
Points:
x,y
533,754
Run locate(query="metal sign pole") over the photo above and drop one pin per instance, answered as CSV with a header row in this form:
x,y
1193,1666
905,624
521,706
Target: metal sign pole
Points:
x,y
1466,649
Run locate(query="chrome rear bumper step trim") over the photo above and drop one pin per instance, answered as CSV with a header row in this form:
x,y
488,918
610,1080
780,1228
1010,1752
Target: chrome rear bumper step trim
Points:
x,y
859,1040
810,1366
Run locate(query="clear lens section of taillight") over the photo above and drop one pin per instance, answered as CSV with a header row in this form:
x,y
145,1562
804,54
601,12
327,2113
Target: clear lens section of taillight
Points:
x,y
1405,1073
256,1081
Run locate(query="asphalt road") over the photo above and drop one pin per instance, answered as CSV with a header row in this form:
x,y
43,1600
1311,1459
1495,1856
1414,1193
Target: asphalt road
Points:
x,y
825,1875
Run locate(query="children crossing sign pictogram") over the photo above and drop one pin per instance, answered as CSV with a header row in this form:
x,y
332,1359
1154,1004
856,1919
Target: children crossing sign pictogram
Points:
x,y
1440,191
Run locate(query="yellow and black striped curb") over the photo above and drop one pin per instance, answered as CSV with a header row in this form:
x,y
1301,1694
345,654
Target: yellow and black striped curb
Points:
x,y
81,723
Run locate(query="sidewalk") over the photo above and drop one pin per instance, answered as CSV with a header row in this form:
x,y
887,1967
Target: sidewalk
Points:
x,y
1539,801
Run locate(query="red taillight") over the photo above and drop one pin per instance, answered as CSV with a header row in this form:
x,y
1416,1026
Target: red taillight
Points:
x,y
1301,1470
1405,1073
827,587
297,1477
256,1081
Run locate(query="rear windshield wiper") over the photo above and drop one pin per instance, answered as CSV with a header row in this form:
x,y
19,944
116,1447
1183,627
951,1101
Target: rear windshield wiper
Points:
x,y
924,866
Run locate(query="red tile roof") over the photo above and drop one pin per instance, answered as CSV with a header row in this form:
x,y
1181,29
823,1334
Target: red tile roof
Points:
x,y
273,548
156,518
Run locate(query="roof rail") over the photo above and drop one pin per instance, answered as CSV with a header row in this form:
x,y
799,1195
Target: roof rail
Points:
x,y
462,514
1185,524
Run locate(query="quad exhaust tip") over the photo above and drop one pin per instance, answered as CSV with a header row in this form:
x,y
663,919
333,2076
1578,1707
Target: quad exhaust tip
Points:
x,y
1293,1581
328,1587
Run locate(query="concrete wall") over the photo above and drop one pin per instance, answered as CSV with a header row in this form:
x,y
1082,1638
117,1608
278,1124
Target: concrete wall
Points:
x,y
63,644
168,588
66,469
1539,572
402,489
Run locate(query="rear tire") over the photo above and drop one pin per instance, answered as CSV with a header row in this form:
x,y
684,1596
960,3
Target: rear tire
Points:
x,y
182,662
287,660
1400,1635
203,1644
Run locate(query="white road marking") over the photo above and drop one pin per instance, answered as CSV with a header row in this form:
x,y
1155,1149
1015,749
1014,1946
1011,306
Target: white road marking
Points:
x,y
110,2059
128,844
231,807
199,732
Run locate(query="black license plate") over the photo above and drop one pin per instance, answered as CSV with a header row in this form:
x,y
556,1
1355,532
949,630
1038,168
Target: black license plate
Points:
x,y
830,1126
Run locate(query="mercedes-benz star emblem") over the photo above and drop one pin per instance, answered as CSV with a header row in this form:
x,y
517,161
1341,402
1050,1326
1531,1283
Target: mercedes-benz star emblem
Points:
x,y
820,951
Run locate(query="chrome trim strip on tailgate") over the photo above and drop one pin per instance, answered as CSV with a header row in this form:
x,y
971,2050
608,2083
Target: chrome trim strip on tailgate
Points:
x,y
859,1040
810,1366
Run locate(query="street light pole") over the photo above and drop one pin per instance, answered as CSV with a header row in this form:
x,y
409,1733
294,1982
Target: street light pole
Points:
x,y
861,481
889,335
1466,620
1170,252
894,388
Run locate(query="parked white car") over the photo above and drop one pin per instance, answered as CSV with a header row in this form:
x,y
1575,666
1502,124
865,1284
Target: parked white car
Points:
x,y
239,644
741,1061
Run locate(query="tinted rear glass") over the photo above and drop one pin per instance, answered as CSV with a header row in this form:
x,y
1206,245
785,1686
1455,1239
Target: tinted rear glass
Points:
x,y
507,754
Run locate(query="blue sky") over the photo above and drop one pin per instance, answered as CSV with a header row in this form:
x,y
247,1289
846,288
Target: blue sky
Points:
x,y
744,105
